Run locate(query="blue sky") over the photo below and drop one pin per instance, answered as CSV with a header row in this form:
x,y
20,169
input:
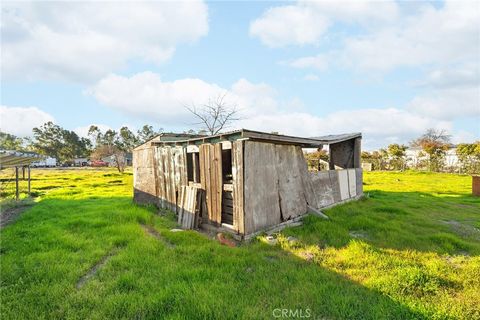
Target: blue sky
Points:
x,y
388,69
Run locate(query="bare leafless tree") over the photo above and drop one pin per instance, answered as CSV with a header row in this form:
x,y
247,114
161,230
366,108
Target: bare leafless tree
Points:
x,y
215,115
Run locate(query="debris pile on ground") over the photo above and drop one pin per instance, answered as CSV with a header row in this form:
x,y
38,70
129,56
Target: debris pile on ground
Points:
x,y
226,241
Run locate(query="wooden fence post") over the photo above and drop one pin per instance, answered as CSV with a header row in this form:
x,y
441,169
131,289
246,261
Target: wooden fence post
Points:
x,y
16,184
28,180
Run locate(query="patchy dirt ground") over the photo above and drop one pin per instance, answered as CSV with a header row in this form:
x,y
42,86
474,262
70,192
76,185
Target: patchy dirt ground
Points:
x,y
9,215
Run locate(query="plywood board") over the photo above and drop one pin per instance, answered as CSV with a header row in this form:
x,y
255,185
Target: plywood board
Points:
x,y
262,207
291,194
144,176
343,182
359,181
190,203
324,188
352,185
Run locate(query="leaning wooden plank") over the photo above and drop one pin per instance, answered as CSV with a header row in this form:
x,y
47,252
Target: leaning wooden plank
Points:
x,y
202,166
208,185
311,194
184,176
186,213
237,173
155,173
190,207
215,184
193,207
318,212
198,208
177,168
173,191
219,181
204,210
161,177
168,185
181,205
184,208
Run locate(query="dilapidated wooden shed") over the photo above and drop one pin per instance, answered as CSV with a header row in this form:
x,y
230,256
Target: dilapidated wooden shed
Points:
x,y
244,180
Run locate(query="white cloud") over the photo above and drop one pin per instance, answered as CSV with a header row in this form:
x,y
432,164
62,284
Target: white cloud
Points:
x,y
253,98
307,21
311,77
449,103
318,62
82,41
378,126
389,35
463,136
430,35
465,75
291,24
441,40
21,120
146,95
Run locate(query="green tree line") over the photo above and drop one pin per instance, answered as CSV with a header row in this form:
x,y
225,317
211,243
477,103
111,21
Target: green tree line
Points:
x,y
432,150
65,145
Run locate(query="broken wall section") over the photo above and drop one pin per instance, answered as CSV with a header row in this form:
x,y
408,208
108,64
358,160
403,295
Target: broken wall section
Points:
x,y
144,184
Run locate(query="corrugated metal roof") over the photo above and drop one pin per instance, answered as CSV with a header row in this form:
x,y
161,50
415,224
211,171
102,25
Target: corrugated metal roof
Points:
x,y
170,136
264,136
11,158
335,138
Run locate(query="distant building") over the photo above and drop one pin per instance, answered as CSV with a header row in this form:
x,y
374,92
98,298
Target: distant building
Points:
x,y
80,162
47,162
415,156
112,162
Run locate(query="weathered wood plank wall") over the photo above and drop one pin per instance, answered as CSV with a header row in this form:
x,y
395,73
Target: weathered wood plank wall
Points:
x,y
278,186
271,182
211,179
144,182
171,175
189,206
336,186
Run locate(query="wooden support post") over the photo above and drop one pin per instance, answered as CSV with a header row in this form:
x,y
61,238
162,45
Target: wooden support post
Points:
x,y
357,153
23,172
28,168
16,184
331,163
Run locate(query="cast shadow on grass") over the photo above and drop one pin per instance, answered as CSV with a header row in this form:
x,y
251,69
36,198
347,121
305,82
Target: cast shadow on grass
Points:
x,y
196,278
399,220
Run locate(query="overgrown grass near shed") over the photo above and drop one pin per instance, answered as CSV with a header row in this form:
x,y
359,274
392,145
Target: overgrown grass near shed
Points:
x,y
84,250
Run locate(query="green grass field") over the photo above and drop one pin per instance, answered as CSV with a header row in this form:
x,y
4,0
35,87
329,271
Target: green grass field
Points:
x,y
408,250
